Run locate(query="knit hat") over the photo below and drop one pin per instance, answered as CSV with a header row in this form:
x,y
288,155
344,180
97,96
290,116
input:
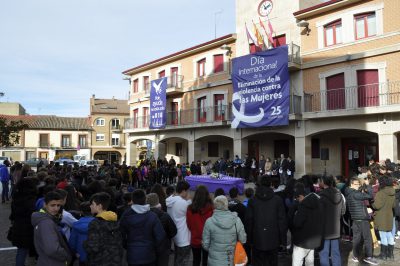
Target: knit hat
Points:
x,y
152,200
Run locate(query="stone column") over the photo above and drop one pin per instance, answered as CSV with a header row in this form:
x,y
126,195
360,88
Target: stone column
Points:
x,y
388,146
302,156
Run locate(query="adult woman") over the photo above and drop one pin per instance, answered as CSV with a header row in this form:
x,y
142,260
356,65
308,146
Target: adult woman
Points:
x,y
158,189
221,232
22,207
197,213
268,166
384,204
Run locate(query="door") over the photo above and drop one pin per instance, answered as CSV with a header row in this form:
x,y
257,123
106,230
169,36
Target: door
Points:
x,y
135,118
281,147
279,40
174,77
353,157
219,110
174,113
335,92
201,110
253,150
43,155
145,116
368,87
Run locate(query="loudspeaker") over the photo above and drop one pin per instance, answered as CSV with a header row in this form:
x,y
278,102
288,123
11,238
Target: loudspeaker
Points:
x,y
325,154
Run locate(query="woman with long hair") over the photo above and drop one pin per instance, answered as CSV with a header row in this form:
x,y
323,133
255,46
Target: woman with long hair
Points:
x,y
158,189
197,213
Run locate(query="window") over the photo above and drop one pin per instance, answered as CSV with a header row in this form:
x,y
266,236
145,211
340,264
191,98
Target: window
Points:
x,y
44,140
83,141
100,122
115,140
279,40
65,140
178,149
218,63
135,118
146,83
145,116
161,74
219,108
135,85
333,33
365,25
201,68
174,77
315,154
30,155
115,123
99,137
201,109
213,149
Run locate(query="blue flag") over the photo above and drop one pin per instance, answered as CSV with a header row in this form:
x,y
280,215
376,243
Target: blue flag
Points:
x,y
261,89
158,103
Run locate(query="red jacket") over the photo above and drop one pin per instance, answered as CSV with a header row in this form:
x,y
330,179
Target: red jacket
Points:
x,y
195,223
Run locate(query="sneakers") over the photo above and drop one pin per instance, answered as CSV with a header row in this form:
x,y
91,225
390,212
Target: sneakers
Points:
x,y
355,259
371,260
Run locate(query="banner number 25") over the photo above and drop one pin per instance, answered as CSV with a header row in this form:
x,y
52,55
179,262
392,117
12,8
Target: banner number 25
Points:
x,y
276,110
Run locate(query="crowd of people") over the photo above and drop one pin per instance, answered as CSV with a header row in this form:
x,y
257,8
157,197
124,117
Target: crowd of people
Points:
x,y
118,215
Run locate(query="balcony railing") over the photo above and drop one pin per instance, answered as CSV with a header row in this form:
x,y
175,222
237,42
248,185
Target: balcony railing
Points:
x,y
200,116
351,98
174,81
44,144
294,53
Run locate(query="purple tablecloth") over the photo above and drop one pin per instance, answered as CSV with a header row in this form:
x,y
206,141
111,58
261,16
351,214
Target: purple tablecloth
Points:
x,y
224,182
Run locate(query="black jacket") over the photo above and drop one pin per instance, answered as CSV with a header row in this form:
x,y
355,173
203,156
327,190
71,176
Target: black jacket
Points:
x,y
334,208
266,224
355,202
235,205
169,228
308,223
22,207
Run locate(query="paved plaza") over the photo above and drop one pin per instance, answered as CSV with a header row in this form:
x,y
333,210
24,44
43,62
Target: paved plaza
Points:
x,y
7,252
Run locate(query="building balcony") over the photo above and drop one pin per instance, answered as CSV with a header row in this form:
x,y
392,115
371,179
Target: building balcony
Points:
x,y
367,99
44,144
294,59
201,117
174,86
116,128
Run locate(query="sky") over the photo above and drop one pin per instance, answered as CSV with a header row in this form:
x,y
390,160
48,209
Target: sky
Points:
x,y
55,54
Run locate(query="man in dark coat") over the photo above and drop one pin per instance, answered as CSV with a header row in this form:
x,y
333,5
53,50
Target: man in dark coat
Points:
x,y
334,207
355,197
142,231
245,168
266,224
283,167
307,227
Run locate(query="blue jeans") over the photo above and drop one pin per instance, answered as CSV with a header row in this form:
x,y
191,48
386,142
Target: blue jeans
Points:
x,y
331,245
20,258
386,238
6,190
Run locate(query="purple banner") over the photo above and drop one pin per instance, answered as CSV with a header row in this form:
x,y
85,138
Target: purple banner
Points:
x,y
261,89
158,103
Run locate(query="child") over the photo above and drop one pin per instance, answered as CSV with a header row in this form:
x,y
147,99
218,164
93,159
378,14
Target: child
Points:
x,y
104,243
79,232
